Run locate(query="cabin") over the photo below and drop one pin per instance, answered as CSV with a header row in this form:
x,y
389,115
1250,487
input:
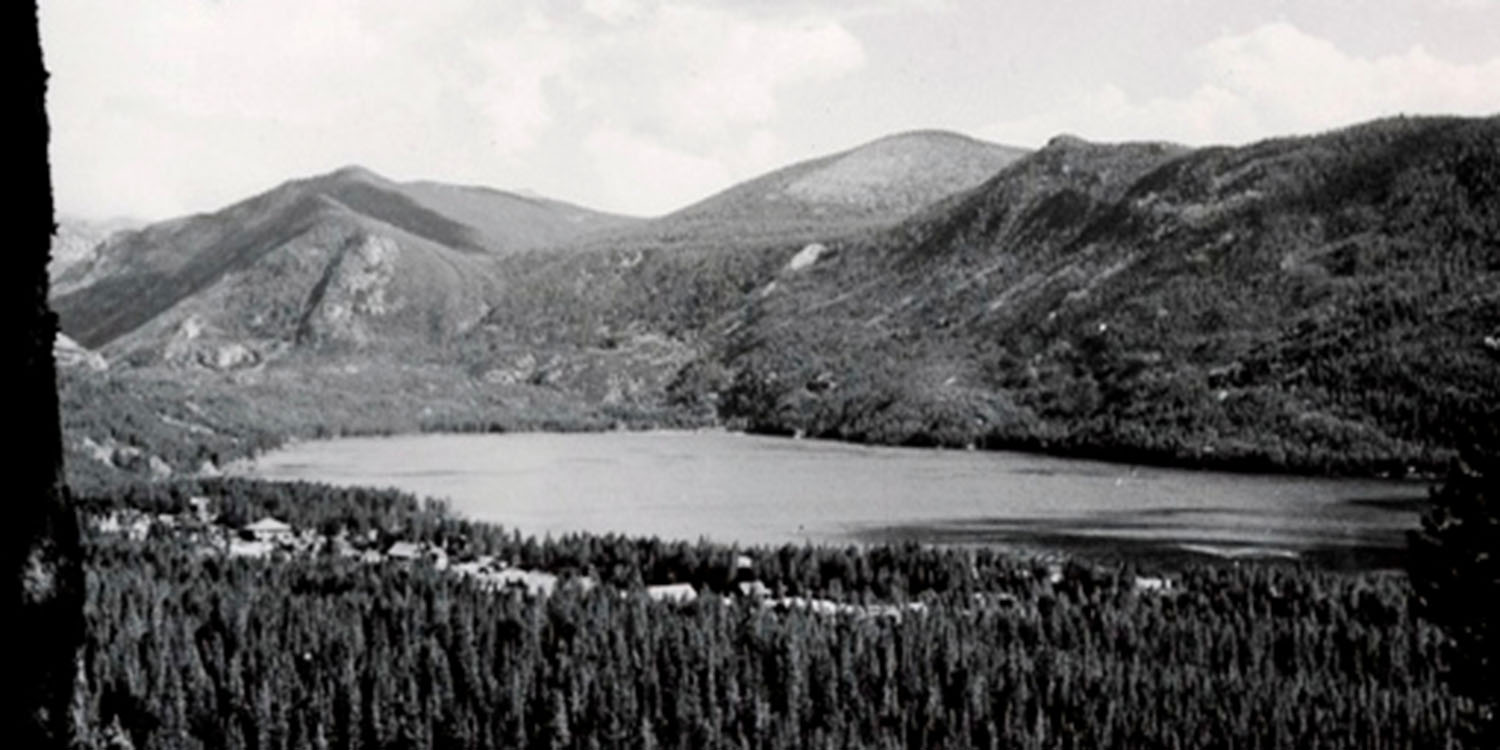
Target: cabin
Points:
x,y
1153,584
268,529
249,548
535,583
807,604
412,552
754,589
672,592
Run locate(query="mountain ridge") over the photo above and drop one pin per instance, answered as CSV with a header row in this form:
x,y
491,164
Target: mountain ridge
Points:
x,y
1207,305
1314,303
139,275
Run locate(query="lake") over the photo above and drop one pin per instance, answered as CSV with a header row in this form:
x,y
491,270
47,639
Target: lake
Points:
x,y
730,487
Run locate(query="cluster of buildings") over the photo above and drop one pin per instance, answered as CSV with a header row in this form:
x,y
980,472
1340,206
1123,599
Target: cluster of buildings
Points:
x,y
270,536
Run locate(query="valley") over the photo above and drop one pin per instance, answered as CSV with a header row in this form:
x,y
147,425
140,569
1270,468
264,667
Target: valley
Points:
x,y
1315,304
1305,307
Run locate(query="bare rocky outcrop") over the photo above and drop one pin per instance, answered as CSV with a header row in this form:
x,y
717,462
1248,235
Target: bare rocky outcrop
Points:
x,y
69,353
196,343
356,287
806,256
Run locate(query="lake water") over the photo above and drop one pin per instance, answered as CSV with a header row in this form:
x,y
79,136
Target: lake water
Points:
x,y
750,489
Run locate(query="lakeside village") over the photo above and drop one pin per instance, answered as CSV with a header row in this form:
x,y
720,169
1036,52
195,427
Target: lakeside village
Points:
x,y
271,538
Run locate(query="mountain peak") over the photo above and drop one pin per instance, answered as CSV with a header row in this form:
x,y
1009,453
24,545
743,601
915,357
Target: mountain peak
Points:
x,y
355,173
923,135
1066,140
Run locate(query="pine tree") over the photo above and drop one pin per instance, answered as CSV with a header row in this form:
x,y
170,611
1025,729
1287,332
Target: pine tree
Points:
x,y
1455,569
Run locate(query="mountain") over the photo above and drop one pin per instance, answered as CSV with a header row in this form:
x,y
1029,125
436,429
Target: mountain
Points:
x,y
872,185
671,276
1323,303
77,238
341,260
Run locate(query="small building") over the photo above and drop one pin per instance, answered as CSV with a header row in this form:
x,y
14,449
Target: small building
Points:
x,y
806,604
269,529
672,592
404,552
754,589
203,509
250,548
535,583
1153,584
412,552
108,523
138,528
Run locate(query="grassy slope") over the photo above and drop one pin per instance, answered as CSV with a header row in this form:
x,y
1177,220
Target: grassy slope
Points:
x,y
872,185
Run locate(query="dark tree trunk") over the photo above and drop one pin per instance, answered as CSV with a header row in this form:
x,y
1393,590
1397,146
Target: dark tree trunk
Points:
x,y
44,571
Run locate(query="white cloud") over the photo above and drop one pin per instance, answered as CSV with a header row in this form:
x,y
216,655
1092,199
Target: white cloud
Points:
x,y
637,172
612,11
1273,80
694,72
467,90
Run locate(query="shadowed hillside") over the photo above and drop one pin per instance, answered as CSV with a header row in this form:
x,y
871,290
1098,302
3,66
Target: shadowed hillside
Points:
x,y
341,260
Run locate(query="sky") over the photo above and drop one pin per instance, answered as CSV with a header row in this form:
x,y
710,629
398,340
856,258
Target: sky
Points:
x,y
161,108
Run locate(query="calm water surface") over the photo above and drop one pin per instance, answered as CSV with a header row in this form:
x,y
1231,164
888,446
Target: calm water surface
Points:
x,y
749,489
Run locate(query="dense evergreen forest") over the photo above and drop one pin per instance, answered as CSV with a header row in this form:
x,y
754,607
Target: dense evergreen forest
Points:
x,y
187,649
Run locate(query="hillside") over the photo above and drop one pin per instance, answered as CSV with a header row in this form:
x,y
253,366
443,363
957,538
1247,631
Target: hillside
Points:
x,y
76,239
1317,303
348,303
347,258
1328,303
622,309
872,185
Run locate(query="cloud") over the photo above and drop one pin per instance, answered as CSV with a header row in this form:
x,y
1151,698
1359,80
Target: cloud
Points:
x,y
642,176
692,72
1273,80
465,90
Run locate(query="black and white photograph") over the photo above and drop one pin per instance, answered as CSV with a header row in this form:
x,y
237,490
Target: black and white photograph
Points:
x,y
756,374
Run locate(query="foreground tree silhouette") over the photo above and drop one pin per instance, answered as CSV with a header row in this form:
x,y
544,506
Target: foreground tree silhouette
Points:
x,y
1456,577
43,571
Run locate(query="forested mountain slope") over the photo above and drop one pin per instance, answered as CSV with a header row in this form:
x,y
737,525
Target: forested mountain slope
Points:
x,y
1325,302
621,310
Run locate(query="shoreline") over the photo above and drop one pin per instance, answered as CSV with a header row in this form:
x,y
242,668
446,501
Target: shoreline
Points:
x,y
1131,535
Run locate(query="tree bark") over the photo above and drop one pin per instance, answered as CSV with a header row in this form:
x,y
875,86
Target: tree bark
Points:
x,y
45,581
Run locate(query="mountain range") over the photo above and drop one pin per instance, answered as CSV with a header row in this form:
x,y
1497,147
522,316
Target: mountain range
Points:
x,y
1320,303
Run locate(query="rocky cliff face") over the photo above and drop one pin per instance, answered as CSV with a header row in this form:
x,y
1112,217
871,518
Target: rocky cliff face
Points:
x,y
355,291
